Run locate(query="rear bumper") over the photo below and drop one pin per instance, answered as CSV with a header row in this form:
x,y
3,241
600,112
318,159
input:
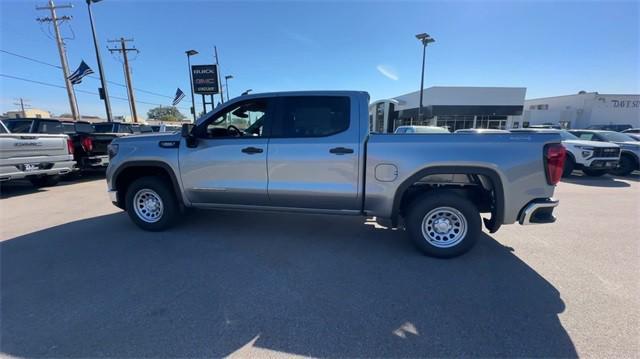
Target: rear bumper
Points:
x,y
15,172
538,211
94,162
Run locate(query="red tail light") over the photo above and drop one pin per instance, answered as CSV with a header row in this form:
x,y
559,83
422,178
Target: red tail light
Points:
x,y
87,144
554,155
69,146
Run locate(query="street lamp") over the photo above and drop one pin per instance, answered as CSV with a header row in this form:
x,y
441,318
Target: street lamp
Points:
x,y
104,94
426,40
193,100
226,84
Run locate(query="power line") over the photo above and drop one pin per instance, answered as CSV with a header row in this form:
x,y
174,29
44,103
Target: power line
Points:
x,y
93,77
82,91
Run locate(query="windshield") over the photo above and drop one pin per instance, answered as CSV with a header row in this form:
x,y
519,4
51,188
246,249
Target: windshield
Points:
x,y
84,127
616,136
566,135
18,126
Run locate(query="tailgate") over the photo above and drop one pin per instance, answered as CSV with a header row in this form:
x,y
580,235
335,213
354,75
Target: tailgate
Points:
x,y
15,146
100,143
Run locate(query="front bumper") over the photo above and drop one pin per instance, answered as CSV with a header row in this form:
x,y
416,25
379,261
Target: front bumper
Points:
x,y
538,211
603,164
94,162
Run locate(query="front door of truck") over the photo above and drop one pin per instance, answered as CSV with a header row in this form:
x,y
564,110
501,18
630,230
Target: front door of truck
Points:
x,y
228,165
313,153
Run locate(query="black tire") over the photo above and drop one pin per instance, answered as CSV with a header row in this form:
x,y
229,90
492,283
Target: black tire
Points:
x,y
428,242
569,165
45,181
594,173
625,166
157,189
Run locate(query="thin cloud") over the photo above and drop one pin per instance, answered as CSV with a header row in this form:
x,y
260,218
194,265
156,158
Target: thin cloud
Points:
x,y
388,72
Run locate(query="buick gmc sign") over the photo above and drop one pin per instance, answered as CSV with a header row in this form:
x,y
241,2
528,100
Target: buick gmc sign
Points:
x,y
205,79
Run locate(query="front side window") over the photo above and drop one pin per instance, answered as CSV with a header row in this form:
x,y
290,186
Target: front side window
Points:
x,y
313,116
241,120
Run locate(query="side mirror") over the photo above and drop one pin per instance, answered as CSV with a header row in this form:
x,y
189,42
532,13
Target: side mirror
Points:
x,y
186,130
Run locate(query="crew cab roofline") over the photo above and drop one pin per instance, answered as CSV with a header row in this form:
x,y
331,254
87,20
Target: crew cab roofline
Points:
x,y
497,216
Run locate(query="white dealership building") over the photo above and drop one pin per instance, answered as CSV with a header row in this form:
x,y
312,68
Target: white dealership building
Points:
x,y
451,106
584,109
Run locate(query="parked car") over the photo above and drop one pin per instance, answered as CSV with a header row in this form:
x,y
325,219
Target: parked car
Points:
x,y
312,152
421,129
610,127
90,147
632,130
480,130
165,128
545,125
635,136
39,158
630,148
591,157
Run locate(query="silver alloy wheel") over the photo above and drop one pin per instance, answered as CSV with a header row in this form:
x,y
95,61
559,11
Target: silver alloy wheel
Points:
x,y
444,227
148,205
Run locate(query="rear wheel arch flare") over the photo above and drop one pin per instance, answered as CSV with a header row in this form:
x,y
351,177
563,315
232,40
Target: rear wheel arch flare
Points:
x,y
497,216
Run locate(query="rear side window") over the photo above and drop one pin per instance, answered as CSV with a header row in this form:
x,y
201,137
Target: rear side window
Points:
x,y
50,127
103,128
18,126
313,116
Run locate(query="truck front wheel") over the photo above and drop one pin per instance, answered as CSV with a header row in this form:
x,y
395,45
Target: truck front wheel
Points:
x,y
151,204
443,224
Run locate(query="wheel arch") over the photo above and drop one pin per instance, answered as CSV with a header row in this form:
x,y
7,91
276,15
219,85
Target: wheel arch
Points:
x,y
498,207
130,171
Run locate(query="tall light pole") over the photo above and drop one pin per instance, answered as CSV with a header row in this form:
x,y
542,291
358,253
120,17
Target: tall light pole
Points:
x,y
193,100
426,40
104,94
226,84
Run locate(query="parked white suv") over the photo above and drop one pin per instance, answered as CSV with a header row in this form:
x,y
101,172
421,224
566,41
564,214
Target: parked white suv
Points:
x,y
592,157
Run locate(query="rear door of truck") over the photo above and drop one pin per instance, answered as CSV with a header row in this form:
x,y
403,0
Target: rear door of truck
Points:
x,y
313,153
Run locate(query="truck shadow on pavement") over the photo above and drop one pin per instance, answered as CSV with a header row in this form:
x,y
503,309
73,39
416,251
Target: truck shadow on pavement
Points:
x,y
603,181
231,282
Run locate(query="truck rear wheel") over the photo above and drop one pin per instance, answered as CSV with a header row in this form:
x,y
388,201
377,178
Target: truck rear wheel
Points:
x,y
443,224
151,204
569,165
625,166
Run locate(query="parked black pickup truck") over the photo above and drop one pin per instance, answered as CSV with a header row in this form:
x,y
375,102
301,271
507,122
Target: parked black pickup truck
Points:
x,y
90,146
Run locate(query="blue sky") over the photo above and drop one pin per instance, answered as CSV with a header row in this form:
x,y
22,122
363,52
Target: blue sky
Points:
x,y
550,47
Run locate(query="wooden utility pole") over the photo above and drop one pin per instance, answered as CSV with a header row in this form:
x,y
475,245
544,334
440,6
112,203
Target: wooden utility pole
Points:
x,y
61,49
127,73
22,105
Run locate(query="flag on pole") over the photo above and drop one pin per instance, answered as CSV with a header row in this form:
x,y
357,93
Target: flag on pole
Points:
x,y
82,71
179,97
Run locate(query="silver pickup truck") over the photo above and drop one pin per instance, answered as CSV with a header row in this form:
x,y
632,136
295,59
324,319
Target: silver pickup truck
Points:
x,y
312,152
39,158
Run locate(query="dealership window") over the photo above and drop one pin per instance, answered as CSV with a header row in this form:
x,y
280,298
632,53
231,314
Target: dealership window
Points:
x,y
543,107
453,123
492,122
532,107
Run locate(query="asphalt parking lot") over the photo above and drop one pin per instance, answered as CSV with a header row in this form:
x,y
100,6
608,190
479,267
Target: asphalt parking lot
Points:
x,y
78,279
